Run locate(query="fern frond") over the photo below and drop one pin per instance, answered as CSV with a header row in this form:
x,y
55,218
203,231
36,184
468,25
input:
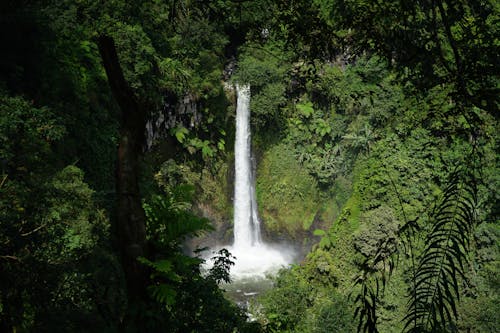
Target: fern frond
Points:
x,y
163,293
367,300
170,220
376,272
435,286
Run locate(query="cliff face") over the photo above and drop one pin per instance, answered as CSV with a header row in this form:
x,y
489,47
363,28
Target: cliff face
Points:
x,y
291,202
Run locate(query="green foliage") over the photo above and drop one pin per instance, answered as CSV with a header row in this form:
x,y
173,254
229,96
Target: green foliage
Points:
x,y
263,66
435,283
65,274
378,226
187,298
266,104
431,43
26,132
137,57
322,269
163,293
210,185
173,206
343,141
435,280
65,74
285,304
399,157
68,208
222,263
325,241
287,195
333,315
180,133
304,31
55,257
302,301
341,116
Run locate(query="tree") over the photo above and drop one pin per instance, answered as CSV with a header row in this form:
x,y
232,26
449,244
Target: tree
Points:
x,y
131,222
54,237
431,43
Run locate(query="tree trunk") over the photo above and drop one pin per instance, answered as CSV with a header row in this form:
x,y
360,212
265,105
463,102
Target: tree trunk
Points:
x,y
131,219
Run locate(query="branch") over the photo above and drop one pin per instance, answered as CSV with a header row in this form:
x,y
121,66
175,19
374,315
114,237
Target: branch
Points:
x,y
3,180
11,258
34,230
122,92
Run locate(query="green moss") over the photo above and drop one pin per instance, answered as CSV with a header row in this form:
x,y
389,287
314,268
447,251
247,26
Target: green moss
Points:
x,y
349,218
287,195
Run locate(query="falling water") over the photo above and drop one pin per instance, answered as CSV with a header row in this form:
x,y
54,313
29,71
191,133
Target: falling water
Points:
x,y
246,221
253,257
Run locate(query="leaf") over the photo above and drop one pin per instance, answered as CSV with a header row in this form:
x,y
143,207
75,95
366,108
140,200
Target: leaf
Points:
x,y
163,268
306,109
206,150
163,293
180,133
325,242
435,287
221,145
319,232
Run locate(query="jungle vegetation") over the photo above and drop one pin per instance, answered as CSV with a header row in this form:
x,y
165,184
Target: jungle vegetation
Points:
x,y
375,129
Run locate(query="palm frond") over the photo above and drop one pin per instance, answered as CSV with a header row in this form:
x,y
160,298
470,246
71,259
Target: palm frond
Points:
x,y
436,273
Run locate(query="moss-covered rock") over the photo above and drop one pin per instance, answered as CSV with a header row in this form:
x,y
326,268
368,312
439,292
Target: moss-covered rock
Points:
x,y
288,197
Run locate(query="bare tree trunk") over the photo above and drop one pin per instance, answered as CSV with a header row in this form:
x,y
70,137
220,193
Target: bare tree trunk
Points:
x,y
130,220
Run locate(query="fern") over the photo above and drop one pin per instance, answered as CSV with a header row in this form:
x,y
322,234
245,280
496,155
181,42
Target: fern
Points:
x,y
367,304
435,287
163,293
169,219
164,268
436,273
372,280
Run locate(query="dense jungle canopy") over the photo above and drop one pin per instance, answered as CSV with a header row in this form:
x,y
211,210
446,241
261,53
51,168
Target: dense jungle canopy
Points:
x,y
376,137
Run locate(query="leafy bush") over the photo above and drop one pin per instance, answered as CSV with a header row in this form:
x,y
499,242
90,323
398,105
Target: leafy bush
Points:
x,y
185,299
333,314
284,305
54,237
377,226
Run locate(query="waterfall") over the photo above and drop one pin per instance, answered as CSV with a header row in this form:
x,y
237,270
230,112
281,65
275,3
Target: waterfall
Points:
x,y
254,259
246,220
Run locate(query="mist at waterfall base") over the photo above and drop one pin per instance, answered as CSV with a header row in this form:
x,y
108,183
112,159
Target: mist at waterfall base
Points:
x,y
254,259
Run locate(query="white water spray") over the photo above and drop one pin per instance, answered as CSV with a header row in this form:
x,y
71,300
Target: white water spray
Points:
x,y
253,257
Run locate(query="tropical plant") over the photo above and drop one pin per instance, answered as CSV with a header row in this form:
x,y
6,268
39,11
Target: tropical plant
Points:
x,y
437,273
169,222
436,281
186,297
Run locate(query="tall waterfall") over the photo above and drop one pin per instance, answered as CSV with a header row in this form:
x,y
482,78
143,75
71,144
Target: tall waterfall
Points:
x,y
246,220
254,259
